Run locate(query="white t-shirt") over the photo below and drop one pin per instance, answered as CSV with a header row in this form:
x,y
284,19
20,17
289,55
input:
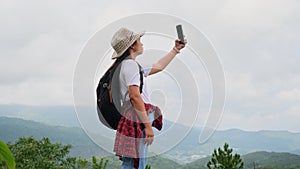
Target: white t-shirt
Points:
x,y
130,75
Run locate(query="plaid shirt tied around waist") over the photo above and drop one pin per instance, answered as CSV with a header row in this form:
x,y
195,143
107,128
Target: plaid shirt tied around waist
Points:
x,y
129,131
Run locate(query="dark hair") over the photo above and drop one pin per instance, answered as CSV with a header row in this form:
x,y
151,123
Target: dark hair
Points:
x,y
116,86
120,59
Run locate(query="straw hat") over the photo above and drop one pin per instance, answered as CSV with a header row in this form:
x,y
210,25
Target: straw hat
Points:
x,y
122,40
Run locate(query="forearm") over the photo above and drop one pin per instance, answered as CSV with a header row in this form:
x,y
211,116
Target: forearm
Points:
x,y
164,61
139,106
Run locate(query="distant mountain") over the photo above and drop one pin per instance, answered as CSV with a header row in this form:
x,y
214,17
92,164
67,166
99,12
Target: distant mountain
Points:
x,y
266,160
259,159
295,151
243,142
249,141
52,115
198,164
185,151
13,128
156,162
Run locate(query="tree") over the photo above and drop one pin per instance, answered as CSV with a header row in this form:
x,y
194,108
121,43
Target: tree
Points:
x,y
148,166
223,159
6,157
99,165
30,153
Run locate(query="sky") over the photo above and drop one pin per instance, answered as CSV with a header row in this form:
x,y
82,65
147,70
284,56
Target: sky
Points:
x,y
257,42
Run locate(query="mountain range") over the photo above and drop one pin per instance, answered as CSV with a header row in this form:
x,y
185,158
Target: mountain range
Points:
x,y
13,128
60,124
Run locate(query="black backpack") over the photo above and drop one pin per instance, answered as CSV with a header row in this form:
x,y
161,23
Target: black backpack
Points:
x,y
107,107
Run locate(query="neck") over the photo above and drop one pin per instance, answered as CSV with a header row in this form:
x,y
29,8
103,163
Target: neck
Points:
x,y
133,54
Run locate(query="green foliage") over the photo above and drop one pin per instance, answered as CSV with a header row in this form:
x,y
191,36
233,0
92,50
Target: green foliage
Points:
x,y
99,165
6,157
82,146
158,162
278,167
148,166
262,158
81,163
30,153
223,159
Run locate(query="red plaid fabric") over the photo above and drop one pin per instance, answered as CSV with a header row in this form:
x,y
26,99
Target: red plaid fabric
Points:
x,y
129,132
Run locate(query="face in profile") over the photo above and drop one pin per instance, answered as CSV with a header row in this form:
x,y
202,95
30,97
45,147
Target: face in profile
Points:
x,y
138,47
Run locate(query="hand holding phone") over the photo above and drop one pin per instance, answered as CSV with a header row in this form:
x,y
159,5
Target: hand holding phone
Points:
x,y
180,33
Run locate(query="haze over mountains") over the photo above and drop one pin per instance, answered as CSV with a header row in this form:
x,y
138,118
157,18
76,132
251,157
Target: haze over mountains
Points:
x,y
68,131
181,157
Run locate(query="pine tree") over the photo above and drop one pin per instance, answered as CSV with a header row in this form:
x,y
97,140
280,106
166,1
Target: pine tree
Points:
x,y
223,159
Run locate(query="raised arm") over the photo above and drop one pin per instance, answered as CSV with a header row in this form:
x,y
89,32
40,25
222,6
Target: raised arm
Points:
x,y
164,61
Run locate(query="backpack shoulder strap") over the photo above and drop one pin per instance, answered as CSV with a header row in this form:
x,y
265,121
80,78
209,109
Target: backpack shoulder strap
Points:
x,y
141,72
141,77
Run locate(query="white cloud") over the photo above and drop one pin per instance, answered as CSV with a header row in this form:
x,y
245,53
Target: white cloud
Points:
x,y
258,43
40,44
261,121
291,96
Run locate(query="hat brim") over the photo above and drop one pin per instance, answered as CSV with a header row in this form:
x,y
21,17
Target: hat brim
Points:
x,y
115,55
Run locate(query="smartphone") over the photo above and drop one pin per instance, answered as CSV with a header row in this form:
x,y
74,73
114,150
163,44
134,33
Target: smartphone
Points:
x,y
180,33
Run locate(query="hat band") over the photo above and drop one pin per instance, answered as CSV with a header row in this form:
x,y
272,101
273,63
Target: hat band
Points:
x,y
122,45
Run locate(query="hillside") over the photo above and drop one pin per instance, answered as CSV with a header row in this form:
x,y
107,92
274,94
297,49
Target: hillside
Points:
x,y
187,150
243,142
52,115
13,128
271,158
261,159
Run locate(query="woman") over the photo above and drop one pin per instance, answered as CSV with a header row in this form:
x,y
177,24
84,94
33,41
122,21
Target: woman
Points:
x,y
134,132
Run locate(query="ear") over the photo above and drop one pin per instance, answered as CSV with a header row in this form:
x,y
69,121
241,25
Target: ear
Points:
x,y
132,47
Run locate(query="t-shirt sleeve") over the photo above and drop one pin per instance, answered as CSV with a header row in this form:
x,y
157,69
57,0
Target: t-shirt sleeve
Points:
x,y
131,73
147,69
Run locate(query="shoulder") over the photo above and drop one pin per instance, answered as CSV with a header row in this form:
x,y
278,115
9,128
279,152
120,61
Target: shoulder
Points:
x,y
130,72
129,61
130,64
